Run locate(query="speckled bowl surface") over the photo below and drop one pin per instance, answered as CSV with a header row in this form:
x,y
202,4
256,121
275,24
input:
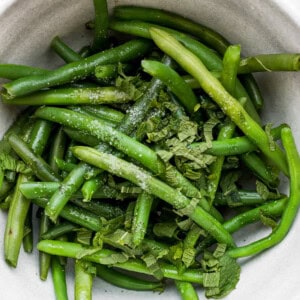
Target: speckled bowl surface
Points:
x,y
259,26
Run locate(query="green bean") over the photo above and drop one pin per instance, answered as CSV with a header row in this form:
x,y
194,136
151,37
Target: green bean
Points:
x,y
83,280
57,150
261,169
84,112
75,214
91,186
68,96
231,62
64,166
58,230
59,279
104,112
125,281
44,258
76,70
15,224
19,205
169,19
210,59
141,217
41,131
122,142
271,209
81,137
40,168
34,190
237,145
243,198
72,250
106,72
253,90
28,232
64,51
291,208
101,26
229,105
5,189
270,62
228,79
12,71
186,290
174,82
101,130
153,186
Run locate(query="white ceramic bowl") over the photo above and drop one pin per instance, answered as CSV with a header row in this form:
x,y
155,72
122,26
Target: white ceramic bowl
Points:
x,y
260,26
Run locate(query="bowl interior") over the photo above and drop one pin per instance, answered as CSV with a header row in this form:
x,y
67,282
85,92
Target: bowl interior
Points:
x,y
27,28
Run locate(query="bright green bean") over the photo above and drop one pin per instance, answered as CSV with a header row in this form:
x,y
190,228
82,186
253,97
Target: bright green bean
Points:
x,y
83,280
209,58
174,82
40,168
186,290
141,217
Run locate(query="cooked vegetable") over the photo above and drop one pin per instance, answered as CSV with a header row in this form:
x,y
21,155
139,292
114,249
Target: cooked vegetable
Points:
x,y
133,175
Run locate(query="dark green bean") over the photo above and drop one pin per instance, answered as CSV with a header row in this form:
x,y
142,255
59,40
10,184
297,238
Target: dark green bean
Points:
x,y
57,150
101,26
75,214
58,231
125,281
141,217
169,19
40,168
64,51
253,90
28,231
261,169
174,82
76,70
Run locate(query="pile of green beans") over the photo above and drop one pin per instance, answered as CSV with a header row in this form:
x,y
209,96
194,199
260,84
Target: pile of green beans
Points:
x,y
133,156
